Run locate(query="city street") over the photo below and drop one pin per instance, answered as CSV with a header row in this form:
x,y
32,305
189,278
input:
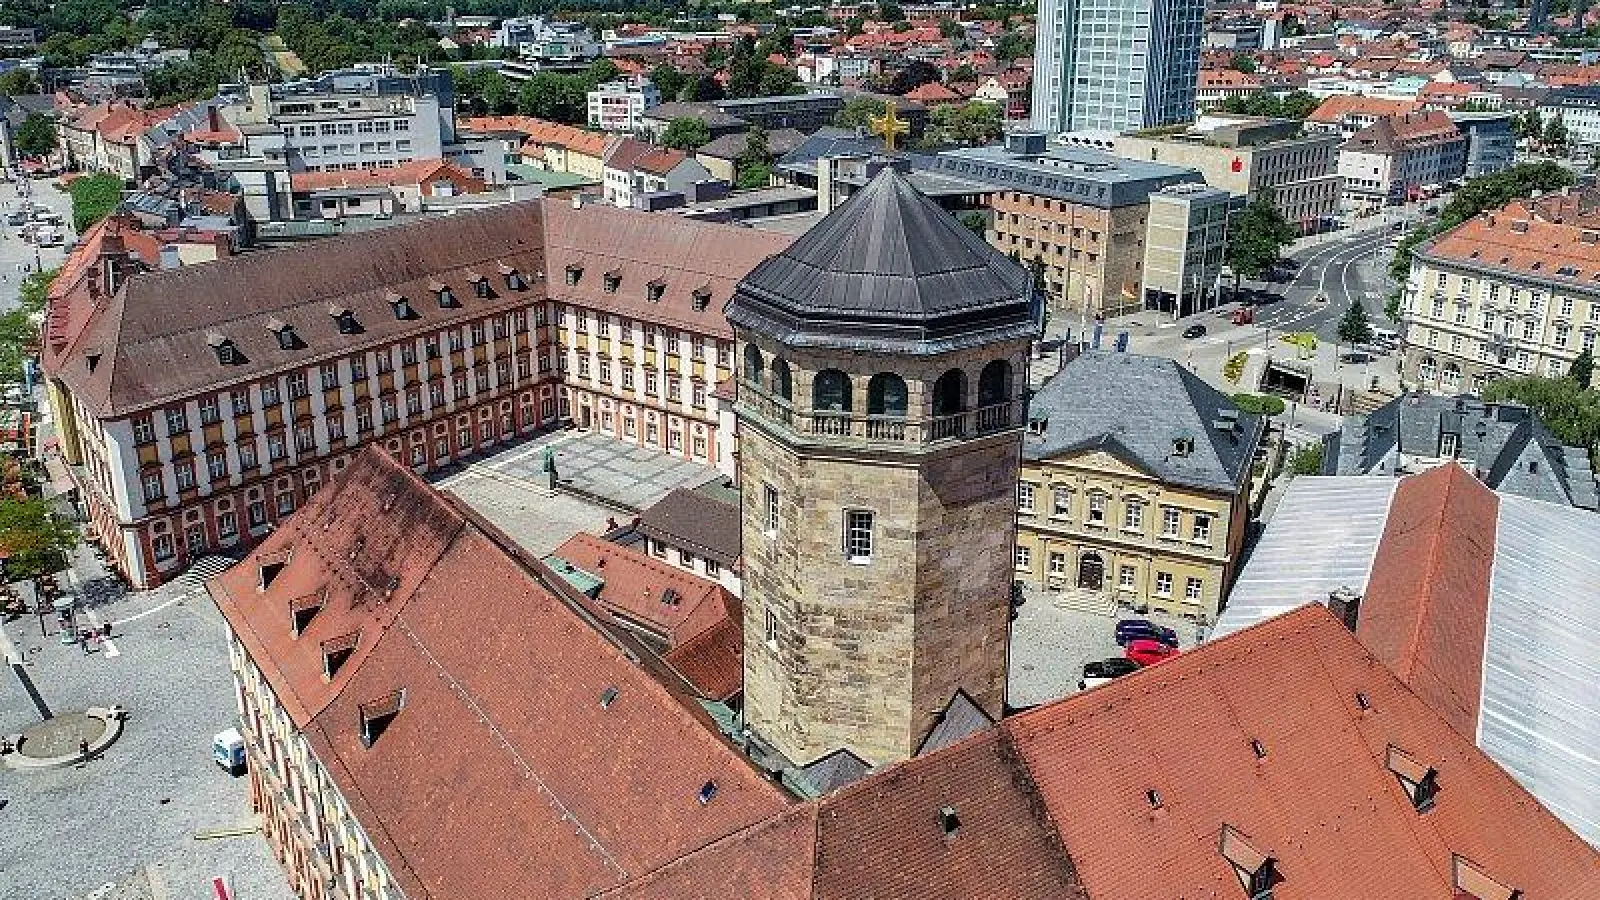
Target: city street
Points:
x,y
14,251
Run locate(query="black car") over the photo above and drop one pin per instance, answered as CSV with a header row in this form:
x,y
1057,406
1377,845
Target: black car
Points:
x,y
1194,331
1097,673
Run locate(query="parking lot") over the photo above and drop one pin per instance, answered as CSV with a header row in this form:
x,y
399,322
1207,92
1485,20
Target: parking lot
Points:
x,y
1051,641
15,252
511,488
145,805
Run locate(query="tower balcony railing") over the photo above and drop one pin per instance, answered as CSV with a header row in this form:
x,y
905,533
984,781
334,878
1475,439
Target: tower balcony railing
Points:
x,y
873,428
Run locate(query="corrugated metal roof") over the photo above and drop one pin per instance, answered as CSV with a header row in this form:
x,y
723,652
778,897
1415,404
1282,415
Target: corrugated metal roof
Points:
x,y
1322,537
1540,716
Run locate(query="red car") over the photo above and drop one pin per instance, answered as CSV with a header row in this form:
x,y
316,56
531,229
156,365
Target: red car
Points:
x,y
1148,653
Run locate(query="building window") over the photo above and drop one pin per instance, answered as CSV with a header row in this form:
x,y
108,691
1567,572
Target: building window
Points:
x,y
685,558
1097,509
713,570
1058,564
1023,558
276,447
285,503
1061,503
227,525
1163,584
152,486
210,410
770,507
1201,532
247,455
1125,577
269,393
162,545
177,422
336,427
772,629
305,439
217,465
1191,590
1132,515
258,513
143,432
330,376
1025,498
184,473
1170,522
858,535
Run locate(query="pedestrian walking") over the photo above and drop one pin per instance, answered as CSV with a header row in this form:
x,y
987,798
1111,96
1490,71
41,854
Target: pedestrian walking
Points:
x,y
83,748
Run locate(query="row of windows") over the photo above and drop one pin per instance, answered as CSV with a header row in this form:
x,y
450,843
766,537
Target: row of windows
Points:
x,y
856,536
1133,512
1127,576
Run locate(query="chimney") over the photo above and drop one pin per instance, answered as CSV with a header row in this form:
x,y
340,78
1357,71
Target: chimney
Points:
x,y
1345,604
213,119
169,257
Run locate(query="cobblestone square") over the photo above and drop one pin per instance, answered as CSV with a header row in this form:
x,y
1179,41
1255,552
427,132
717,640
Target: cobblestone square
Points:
x,y
140,805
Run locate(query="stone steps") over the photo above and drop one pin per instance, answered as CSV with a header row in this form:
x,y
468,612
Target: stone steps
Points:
x,y
1085,600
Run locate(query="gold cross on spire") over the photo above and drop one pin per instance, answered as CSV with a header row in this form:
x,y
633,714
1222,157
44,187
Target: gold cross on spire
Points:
x,y
888,126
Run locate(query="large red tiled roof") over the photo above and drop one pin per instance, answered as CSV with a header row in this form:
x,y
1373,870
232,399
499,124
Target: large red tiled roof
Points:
x,y
1123,793
416,172
1555,239
1426,607
637,586
503,774
713,660
1335,109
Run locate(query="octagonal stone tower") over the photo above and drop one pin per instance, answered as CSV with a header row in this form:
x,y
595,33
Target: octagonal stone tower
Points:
x,y
882,372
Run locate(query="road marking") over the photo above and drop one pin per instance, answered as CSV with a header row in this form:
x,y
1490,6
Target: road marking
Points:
x,y
152,611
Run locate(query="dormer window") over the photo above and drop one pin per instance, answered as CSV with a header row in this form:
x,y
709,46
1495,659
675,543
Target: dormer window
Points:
x,y
1257,871
1473,883
655,290
1038,426
337,651
402,307
1182,447
376,715
613,281
1419,780
344,319
702,299
227,351
302,610
671,597
574,273
443,294
269,569
284,332
514,279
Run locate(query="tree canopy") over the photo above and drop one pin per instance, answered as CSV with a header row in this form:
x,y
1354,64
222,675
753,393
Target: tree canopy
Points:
x,y
34,540
753,167
858,112
1257,235
1294,105
36,136
685,133
1570,410
1355,327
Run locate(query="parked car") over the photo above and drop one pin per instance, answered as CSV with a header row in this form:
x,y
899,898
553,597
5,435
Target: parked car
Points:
x,y
1148,653
1144,629
1194,331
1102,671
16,218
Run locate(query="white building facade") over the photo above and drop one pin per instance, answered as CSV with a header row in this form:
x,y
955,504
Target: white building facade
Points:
x,y
620,105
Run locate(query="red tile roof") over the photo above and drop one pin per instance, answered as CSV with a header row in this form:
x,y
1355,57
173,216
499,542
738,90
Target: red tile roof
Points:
x,y
503,774
1124,792
421,172
637,586
713,660
1426,607
1335,109
1553,239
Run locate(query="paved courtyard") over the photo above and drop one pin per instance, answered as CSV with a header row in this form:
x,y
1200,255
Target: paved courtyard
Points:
x,y
1052,639
602,478
144,804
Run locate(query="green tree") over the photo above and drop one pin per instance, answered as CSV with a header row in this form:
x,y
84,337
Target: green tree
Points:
x,y
951,30
1582,370
36,136
1013,45
753,166
685,133
1307,459
93,198
1570,410
974,222
858,112
35,291
1479,194
1354,327
1257,235
1297,105
35,541
18,81
1555,133
1528,125
1243,62
889,11
1258,404
974,122
559,98
668,80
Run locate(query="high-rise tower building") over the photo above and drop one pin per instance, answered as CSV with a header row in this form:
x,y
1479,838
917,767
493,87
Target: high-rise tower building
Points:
x,y
880,403
1115,65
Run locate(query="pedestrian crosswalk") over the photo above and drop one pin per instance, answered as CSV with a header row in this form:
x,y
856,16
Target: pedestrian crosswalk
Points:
x,y
204,568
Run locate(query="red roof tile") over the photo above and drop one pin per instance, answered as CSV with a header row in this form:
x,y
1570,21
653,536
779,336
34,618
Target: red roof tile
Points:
x,y
637,586
713,660
584,794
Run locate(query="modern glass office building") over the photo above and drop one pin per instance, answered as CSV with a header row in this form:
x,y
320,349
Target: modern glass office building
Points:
x,y
1115,65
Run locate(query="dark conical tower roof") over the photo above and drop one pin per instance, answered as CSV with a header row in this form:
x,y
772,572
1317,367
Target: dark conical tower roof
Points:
x,y
889,271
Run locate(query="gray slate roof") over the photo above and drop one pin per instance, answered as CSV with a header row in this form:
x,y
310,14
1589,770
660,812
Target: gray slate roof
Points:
x,y
890,271
779,142
695,520
1506,446
960,719
1137,408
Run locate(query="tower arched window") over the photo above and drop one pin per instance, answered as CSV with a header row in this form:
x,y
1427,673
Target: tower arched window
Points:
x,y
950,393
994,383
753,366
886,395
782,382
830,392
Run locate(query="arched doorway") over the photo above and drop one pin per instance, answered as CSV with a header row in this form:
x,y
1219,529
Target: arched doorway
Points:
x,y
1091,571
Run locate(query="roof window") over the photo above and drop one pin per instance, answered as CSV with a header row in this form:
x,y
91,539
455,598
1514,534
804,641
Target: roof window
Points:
x,y
376,715
302,610
671,597
1568,271
1038,426
1153,797
608,697
514,279
344,319
574,273
480,286
401,306
92,358
613,280
1472,882
1257,871
655,290
287,339
444,295
707,791
269,571
949,822
337,651
701,298
1183,446
1362,701
1419,780
227,351
1258,748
